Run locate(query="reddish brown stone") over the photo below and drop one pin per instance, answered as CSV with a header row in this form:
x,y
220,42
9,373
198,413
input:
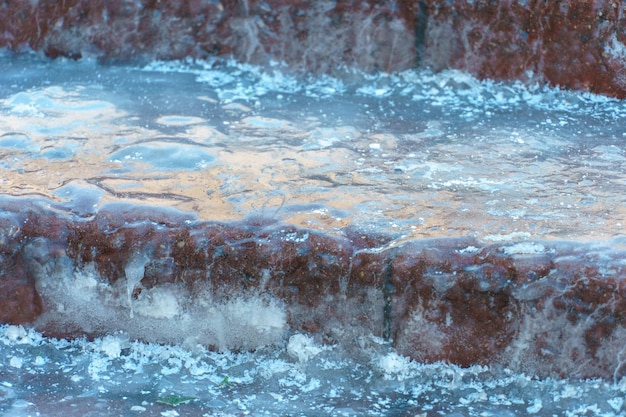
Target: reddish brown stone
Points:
x,y
572,44
560,311
319,36
19,301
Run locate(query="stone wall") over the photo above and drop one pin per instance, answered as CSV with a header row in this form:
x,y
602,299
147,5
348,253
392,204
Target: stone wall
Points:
x,y
545,308
573,44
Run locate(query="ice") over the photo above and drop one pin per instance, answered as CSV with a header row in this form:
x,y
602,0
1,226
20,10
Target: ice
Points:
x,y
524,248
302,347
415,154
164,156
134,271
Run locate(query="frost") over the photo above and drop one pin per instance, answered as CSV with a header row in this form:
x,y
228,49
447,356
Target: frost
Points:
x,y
302,347
524,248
507,237
16,362
394,366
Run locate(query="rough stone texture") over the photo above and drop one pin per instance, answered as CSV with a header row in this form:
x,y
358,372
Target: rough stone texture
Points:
x,y
555,312
541,306
574,44
307,35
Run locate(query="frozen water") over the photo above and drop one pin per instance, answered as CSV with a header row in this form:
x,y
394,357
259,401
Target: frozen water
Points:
x,y
397,153
415,155
164,157
166,313
113,376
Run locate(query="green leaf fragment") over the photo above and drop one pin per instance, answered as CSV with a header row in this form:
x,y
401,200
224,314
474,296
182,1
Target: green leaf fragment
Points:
x,y
225,382
175,400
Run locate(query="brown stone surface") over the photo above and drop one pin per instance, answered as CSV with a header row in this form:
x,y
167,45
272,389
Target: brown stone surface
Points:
x,y
547,308
307,35
574,44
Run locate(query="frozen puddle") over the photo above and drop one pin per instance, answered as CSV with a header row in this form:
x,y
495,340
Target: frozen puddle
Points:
x,y
114,376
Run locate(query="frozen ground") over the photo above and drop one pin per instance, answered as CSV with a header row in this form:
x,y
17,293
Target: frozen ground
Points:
x,y
113,376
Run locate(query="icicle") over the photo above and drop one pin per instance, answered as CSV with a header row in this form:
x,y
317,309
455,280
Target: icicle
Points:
x,y
134,274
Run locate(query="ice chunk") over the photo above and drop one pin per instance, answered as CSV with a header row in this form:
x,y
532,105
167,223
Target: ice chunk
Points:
x,y
302,347
524,248
111,346
134,274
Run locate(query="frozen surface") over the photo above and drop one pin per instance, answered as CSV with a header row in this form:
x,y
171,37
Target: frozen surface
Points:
x,y
415,153
114,376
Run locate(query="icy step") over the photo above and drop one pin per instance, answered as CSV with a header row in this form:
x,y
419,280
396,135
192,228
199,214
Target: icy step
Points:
x,y
225,205
546,308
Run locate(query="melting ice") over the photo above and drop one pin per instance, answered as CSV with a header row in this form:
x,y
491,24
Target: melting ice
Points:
x,y
415,154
